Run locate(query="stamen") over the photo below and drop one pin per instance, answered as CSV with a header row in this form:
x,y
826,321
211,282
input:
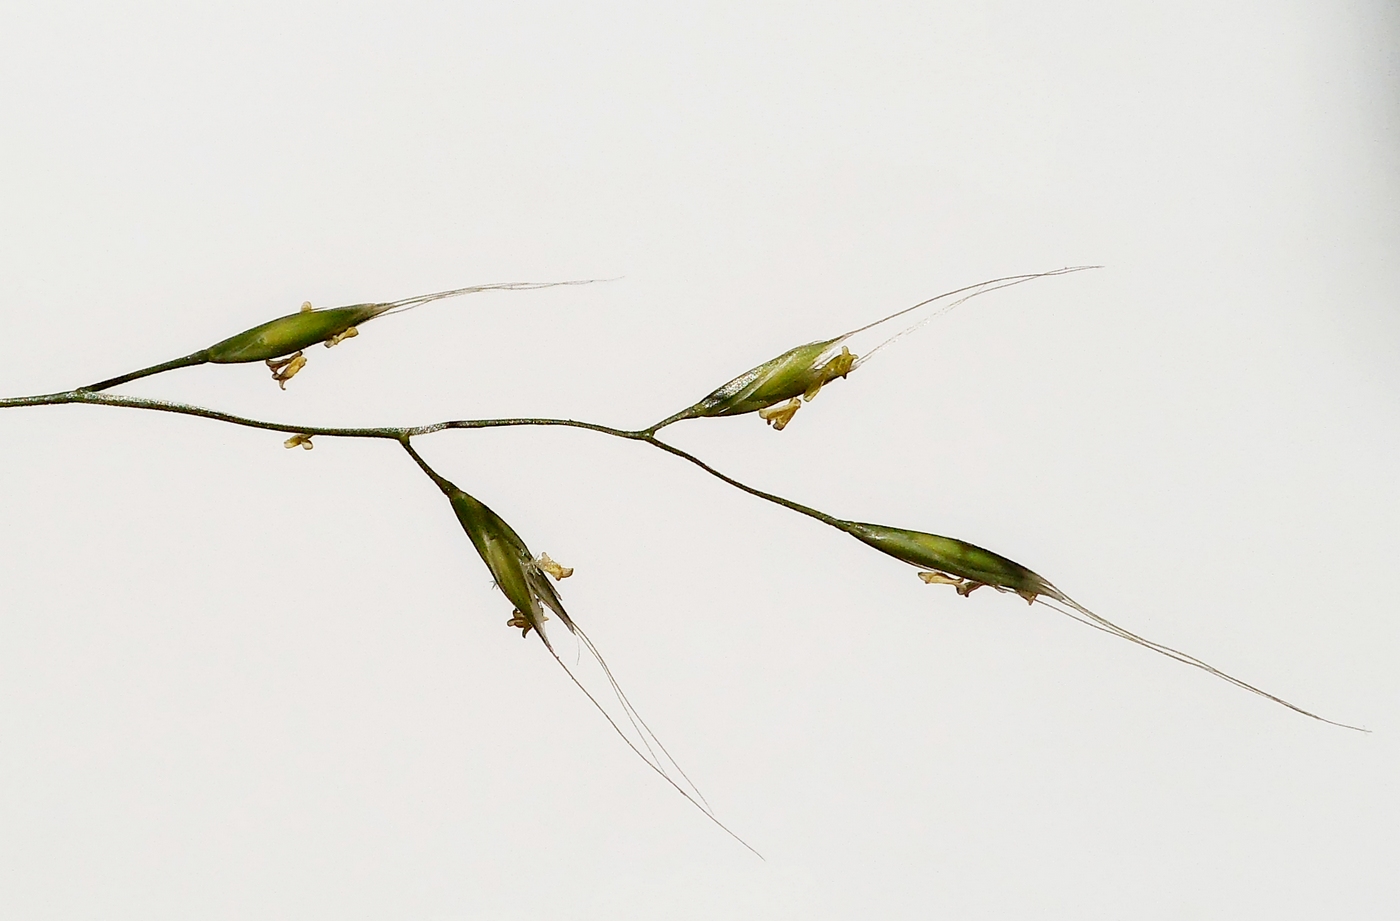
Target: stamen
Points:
x,y
554,569
838,366
284,369
338,338
780,416
524,623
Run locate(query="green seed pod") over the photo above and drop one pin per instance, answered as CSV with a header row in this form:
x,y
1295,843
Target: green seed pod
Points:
x,y
291,333
799,372
518,575
953,562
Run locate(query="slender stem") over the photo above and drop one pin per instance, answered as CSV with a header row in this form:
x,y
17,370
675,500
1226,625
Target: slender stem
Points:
x,y
507,423
823,517
433,475
402,434
683,414
197,358
185,409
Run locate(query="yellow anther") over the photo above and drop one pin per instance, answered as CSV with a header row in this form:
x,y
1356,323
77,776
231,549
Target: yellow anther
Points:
x,y
520,620
300,439
338,338
306,307
284,369
838,366
962,586
554,569
780,416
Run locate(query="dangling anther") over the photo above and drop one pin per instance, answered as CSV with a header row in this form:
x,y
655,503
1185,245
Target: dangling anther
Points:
x,y
520,620
780,416
838,366
340,337
301,439
554,569
284,369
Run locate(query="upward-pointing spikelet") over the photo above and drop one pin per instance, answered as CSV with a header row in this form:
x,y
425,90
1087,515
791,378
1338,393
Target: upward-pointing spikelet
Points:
x,y
777,388
799,372
291,333
275,340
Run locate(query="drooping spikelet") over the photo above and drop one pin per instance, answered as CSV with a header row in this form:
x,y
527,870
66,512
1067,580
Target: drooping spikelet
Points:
x,y
519,576
967,567
949,561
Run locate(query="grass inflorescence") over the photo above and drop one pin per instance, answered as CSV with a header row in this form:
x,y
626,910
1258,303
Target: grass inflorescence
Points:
x,y
774,389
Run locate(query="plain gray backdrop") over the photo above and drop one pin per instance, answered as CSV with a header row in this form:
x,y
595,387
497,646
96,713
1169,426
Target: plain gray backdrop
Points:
x,y
238,681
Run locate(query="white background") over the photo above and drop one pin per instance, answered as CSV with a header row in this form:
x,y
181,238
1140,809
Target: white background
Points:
x,y
238,681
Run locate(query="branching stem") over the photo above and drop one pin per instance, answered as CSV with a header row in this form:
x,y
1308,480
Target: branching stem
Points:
x,y
401,434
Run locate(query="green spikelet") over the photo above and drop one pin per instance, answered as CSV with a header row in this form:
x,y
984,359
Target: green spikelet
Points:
x,y
773,388
953,562
280,342
517,573
291,333
799,372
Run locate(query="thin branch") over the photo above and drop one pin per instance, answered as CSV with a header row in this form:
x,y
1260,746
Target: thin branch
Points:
x,y
768,496
400,433
186,409
433,475
196,358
